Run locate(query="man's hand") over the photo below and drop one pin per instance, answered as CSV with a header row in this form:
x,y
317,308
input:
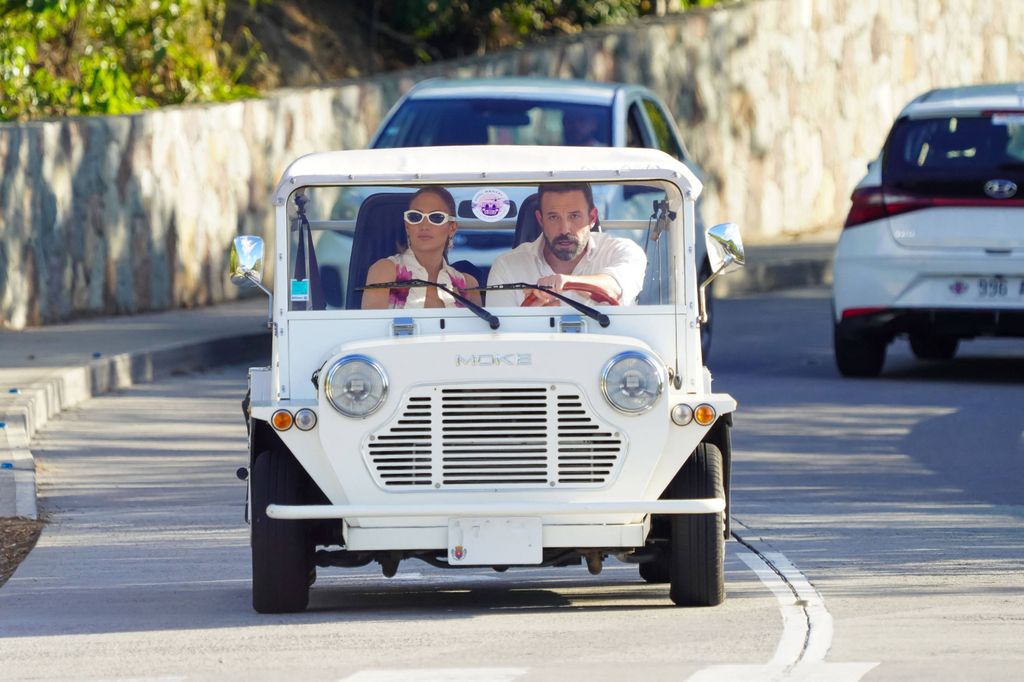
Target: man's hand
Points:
x,y
559,282
556,282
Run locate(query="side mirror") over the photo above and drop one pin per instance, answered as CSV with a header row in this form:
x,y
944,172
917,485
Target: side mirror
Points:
x,y
246,268
725,252
246,261
725,248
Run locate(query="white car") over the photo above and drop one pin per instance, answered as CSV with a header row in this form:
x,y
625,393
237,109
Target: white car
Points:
x,y
933,247
484,436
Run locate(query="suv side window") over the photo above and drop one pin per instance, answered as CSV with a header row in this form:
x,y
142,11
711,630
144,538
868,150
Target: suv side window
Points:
x,y
662,130
634,128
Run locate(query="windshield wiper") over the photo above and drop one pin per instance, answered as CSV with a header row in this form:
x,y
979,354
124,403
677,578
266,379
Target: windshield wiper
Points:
x,y
493,321
601,318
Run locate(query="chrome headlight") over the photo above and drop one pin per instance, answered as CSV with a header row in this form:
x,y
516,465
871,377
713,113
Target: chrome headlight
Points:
x,y
632,382
356,386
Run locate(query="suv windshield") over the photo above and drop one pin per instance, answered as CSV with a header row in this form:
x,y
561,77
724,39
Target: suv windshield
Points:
x,y
955,156
338,233
432,122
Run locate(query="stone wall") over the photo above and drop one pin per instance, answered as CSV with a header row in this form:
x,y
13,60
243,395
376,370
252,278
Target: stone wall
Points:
x,y
781,101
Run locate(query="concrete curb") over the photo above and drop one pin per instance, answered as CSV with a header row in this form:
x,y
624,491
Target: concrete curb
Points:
x,y
769,269
27,410
760,278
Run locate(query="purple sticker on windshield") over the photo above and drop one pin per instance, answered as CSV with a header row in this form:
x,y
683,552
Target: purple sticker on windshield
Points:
x,y
491,205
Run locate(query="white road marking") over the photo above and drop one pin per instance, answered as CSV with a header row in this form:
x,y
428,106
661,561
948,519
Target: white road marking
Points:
x,y
806,631
438,675
794,622
819,620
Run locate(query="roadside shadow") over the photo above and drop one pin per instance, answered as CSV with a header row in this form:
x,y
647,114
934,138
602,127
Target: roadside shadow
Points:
x,y
339,597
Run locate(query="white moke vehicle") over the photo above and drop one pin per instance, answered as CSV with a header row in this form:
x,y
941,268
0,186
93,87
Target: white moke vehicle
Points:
x,y
484,436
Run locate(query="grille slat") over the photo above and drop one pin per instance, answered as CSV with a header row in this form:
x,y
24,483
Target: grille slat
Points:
x,y
510,437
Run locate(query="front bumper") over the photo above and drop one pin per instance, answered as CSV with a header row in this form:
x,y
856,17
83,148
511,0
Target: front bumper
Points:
x,y
352,511
557,525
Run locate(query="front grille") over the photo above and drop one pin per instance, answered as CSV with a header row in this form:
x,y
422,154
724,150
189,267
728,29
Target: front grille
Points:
x,y
494,437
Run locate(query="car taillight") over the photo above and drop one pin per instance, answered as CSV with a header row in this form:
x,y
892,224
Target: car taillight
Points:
x,y
868,204
872,203
861,312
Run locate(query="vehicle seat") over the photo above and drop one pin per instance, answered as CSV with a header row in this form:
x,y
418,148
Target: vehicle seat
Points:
x,y
330,282
379,232
527,227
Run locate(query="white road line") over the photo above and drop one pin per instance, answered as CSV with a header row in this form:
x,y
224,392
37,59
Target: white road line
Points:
x,y
794,622
438,675
819,620
806,631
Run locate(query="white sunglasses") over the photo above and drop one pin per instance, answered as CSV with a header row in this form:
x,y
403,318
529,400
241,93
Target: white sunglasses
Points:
x,y
435,217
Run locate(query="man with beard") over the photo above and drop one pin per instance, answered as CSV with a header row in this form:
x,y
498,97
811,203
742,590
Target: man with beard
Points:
x,y
567,252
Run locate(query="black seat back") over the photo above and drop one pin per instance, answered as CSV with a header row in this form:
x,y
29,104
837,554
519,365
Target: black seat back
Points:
x,y
379,233
527,227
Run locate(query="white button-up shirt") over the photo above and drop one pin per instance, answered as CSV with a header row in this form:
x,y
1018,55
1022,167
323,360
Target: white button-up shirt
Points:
x,y
618,257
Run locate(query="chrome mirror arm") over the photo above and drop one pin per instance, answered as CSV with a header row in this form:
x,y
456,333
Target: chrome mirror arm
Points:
x,y
725,252
702,305
249,275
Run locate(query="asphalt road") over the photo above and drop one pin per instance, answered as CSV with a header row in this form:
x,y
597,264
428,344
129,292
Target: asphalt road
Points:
x,y
899,498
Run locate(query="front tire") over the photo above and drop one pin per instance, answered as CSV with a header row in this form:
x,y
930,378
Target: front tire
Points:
x,y
858,355
697,550
934,347
282,551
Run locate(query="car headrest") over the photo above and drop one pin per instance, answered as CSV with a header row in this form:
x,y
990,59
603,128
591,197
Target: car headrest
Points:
x,y
379,232
527,227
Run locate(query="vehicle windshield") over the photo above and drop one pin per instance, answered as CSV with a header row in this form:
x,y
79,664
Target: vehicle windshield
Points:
x,y
338,234
436,122
955,156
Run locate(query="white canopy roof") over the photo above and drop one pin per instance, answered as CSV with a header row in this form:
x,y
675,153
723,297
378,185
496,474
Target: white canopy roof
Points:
x,y
488,163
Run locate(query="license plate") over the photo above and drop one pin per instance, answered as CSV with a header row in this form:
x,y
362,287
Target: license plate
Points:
x,y
503,541
987,288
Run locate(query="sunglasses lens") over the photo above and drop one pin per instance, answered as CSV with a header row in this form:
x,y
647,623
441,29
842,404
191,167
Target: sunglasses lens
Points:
x,y
413,217
437,218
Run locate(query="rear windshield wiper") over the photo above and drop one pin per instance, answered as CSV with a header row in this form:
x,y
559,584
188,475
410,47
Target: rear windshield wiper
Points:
x,y
601,318
411,283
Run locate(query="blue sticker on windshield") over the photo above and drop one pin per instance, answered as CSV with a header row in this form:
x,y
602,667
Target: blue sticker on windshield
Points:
x,y
300,290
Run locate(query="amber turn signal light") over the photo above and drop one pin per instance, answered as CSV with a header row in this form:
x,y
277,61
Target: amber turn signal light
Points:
x,y
704,414
282,420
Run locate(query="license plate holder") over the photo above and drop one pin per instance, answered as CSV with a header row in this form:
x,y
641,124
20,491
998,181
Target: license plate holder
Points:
x,y
985,288
495,541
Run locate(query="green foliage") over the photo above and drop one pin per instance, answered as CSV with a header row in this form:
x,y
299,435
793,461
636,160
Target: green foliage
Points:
x,y
453,28
66,57
69,57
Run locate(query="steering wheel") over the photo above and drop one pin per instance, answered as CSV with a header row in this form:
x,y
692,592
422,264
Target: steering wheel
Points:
x,y
595,292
